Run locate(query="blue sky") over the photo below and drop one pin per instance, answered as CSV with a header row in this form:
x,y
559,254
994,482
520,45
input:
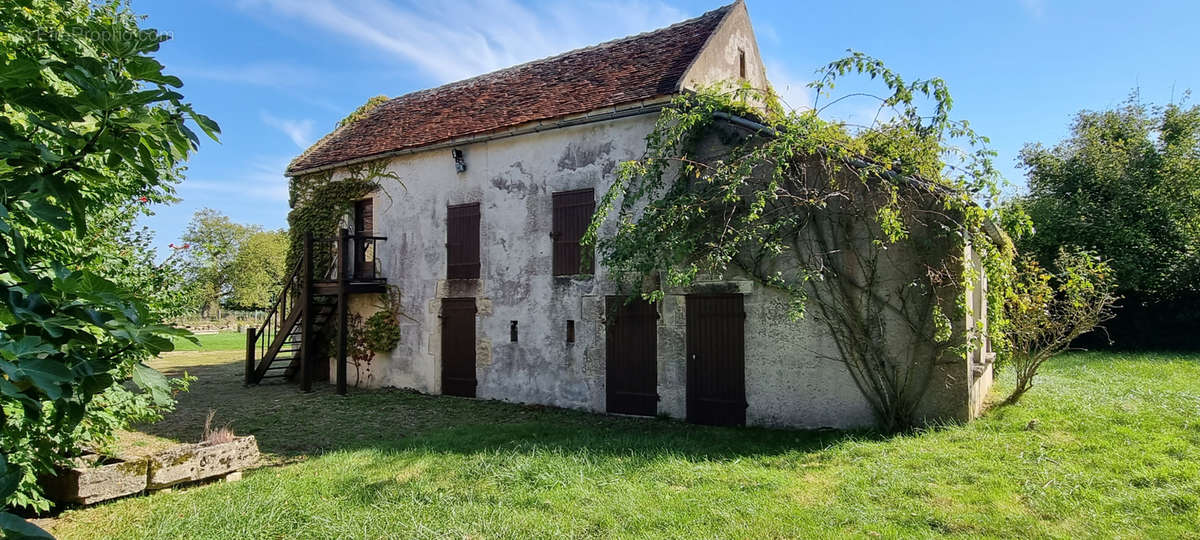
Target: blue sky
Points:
x,y
278,74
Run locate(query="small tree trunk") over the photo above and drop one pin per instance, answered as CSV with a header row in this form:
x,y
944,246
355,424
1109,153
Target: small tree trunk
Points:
x,y
1024,383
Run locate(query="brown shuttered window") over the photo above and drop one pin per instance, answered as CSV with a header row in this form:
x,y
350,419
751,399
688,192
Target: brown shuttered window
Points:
x,y
572,215
462,241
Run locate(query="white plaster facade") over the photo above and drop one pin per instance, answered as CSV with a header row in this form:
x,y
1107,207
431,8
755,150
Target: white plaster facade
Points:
x,y
514,180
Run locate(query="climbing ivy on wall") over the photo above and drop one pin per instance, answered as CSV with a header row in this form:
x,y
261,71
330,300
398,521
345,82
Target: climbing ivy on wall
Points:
x,y
383,332
827,214
320,202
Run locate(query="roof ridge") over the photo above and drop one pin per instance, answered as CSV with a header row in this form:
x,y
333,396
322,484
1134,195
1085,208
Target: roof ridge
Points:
x,y
516,67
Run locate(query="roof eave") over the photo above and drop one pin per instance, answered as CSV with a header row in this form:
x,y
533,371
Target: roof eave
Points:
x,y
624,110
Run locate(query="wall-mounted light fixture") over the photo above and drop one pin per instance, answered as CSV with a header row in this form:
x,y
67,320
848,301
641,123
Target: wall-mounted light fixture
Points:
x,y
460,163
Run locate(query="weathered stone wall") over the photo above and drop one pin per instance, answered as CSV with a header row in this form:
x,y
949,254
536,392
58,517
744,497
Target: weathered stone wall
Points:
x,y
514,180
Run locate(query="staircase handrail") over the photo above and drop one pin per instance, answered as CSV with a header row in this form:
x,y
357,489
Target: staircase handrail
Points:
x,y
292,278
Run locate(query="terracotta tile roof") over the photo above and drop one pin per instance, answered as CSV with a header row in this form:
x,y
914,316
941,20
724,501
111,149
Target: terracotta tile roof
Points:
x,y
618,72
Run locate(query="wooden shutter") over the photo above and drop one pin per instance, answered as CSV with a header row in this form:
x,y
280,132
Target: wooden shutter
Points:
x,y
462,241
572,215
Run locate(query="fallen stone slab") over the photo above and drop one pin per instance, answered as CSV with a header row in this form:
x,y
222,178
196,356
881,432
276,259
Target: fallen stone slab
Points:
x,y
86,483
202,461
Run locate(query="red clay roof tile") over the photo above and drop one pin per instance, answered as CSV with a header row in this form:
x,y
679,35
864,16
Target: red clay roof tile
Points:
x,y
618,72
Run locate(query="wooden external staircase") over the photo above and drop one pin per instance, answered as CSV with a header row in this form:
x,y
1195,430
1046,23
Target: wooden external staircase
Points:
x,y
314,296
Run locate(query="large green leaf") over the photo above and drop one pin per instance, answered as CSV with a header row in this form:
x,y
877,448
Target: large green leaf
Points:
x,y
150,380
10,477
16,74
16,527
207,124
48,375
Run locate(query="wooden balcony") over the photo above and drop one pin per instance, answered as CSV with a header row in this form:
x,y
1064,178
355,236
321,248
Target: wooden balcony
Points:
x,y
361,271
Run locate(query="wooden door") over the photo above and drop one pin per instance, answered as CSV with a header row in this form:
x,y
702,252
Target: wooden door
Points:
x,y
632,357
458,347
364,262
716,381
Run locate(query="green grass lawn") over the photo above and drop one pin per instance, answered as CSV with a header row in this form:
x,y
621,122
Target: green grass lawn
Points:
x,y
1114,452
220,341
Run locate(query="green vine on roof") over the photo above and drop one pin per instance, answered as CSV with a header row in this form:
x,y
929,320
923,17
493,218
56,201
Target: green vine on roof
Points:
x,y
362,110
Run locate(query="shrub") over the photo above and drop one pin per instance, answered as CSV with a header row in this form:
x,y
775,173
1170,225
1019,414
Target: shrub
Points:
x,y
382,332
1047,311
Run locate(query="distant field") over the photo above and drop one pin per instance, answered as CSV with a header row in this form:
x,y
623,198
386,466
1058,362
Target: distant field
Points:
x,y
221,341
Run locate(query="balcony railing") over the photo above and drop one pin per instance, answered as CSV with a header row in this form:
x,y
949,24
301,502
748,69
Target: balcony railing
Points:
x,y
355,256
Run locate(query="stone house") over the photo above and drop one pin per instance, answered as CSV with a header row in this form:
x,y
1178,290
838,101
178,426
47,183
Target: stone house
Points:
x,y
498,178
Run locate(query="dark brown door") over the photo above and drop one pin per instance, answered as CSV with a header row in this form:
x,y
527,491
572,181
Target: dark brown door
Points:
x,y
632,359
458,347
462,241
364,261
716,382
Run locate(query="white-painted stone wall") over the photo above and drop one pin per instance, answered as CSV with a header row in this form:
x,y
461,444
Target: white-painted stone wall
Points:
x,y
513,179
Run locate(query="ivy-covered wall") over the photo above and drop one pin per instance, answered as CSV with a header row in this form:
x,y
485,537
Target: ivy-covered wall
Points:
x,y
322,202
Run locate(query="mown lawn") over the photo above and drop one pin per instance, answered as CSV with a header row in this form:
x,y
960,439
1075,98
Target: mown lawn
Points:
x,y
1104,446
219,341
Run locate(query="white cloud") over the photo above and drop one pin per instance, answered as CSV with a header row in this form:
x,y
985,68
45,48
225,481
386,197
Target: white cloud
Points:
x,y
455,41
768,33
793,91
1035,8
299,131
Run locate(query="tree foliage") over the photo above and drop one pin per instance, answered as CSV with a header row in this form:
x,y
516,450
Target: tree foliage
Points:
x,y
1124,186
231,264
212,242
90,127
1047,311
868,226
258,270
